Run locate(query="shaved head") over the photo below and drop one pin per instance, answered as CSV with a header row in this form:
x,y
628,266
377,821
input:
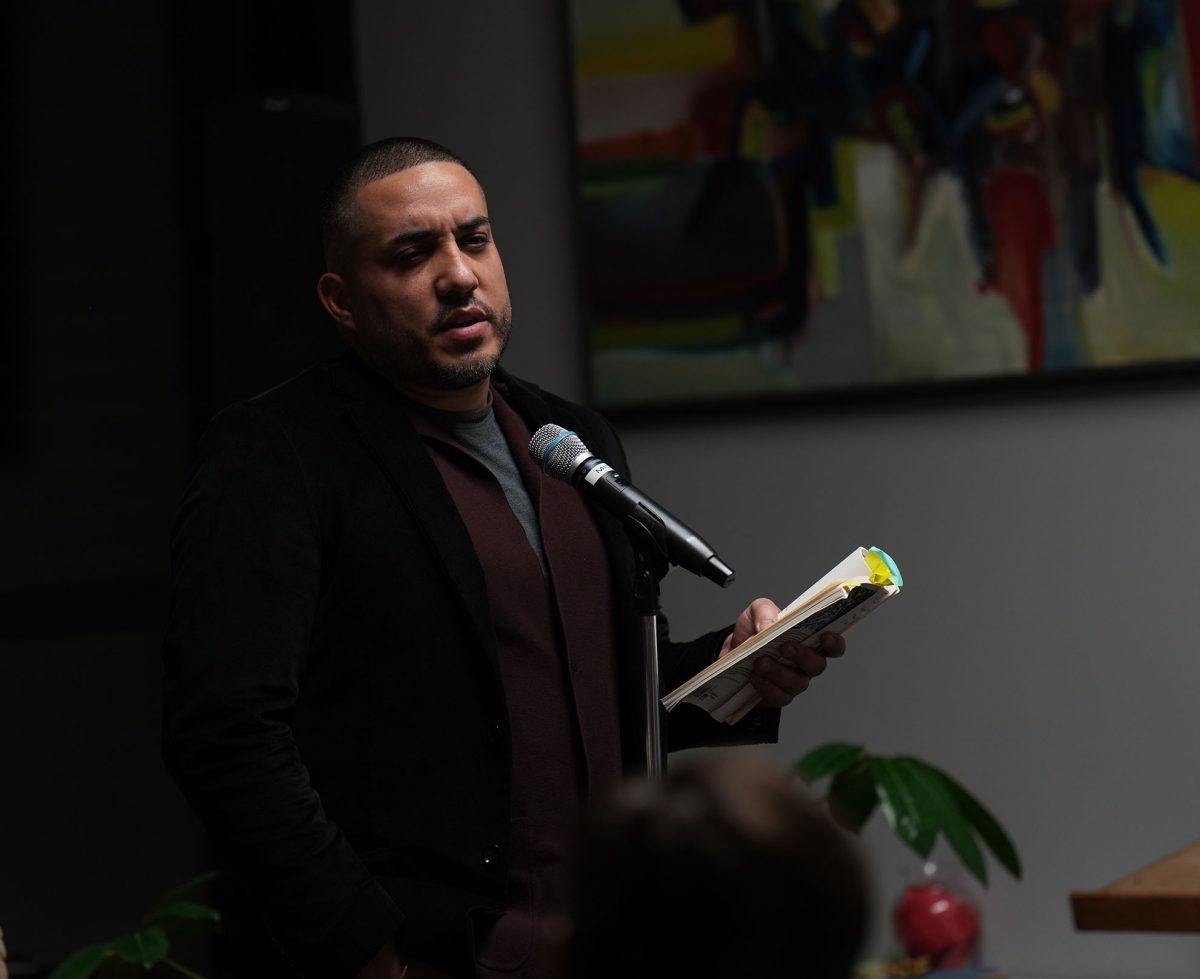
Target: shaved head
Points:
x,y
340,218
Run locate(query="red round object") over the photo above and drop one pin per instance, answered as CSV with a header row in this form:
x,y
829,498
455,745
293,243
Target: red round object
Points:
x,y
930,920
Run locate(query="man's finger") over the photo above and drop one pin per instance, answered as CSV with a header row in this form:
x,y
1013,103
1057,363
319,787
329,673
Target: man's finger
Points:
x,y
787,678
771,692
832,644
807,661
763,613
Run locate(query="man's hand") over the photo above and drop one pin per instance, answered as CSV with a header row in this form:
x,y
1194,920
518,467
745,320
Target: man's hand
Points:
x,y
779,683
387,965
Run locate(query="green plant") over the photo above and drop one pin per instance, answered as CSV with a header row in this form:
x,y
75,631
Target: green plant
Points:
x,y
918,801
134,954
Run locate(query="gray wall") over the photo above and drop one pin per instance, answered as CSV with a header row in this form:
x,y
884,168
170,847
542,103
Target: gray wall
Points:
x,y
1044,651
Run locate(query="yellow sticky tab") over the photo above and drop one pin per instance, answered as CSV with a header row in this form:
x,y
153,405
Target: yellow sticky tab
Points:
x,y
883,568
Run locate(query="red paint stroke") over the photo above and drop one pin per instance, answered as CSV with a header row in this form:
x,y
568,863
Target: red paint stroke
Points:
x,y
1189,13
1022,224
683,143
1009,42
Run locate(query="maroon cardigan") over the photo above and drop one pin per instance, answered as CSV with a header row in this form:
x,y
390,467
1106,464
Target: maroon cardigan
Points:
x,y
555,639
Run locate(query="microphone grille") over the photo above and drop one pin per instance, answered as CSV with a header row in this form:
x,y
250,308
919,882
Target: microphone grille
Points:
x,y
557,451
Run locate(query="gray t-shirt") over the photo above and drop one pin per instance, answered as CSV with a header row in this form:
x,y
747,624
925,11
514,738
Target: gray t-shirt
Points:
x,y
479,434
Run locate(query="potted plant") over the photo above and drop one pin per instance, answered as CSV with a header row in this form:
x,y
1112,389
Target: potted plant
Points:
x,y
137,953
920,802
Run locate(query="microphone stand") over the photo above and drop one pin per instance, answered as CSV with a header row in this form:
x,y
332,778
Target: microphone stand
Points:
x,y
649,539
652,567
561,454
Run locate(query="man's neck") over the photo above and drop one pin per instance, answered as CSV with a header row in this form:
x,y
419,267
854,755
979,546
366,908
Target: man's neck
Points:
x,y
470,398
460,399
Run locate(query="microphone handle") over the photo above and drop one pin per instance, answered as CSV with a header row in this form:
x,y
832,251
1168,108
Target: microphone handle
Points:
x,y
682,545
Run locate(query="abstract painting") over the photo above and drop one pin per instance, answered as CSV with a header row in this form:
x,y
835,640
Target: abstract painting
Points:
x,y
796,196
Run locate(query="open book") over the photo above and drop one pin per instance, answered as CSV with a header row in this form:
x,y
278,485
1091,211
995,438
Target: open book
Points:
x,y
862,582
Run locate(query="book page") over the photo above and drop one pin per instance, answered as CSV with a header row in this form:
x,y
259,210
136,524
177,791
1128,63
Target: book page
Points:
x,y
853,567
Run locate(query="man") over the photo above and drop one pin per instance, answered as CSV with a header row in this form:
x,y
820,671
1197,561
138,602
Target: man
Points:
x,y
400,662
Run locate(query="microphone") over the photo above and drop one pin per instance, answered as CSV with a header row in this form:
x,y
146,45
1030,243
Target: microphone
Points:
x,y
563,455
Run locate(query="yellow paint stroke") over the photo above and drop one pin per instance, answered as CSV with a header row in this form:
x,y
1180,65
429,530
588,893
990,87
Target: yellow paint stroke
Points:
x,y
1046,91
701,331
882,14
754,140
1143,311
694,48
829,224
1010,119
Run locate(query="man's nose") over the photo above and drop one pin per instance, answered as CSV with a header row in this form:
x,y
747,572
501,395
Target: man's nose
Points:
x,y
456,276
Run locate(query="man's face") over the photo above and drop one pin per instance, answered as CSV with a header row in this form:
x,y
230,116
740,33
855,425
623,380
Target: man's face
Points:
x,y
423,298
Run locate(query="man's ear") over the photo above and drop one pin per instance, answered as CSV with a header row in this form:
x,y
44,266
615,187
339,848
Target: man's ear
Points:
x,y
331,290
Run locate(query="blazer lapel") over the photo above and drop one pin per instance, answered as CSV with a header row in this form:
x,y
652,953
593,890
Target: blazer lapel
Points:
x,y
378,416
527,400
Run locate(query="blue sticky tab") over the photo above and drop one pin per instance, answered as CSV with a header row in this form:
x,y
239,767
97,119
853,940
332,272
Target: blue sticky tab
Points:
x,y
897,577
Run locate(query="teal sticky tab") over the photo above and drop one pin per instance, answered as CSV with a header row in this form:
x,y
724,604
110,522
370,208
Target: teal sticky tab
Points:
x,y
897,577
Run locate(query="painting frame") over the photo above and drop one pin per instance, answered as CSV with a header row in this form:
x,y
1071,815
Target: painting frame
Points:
x,y
659,381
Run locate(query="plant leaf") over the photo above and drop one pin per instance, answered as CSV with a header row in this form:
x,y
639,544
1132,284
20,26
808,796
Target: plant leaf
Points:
x,y
852,797
928,806
145,947
115,967
951,820
827,759
81,964
185,921
905,806
983,822
174,913
197,882
183,969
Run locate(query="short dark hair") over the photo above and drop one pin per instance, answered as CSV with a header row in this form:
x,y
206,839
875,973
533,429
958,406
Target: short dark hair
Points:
x,y
373,162
728,868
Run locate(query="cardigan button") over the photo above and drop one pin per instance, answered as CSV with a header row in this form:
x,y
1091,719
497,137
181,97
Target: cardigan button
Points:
x,y
491,856
495,732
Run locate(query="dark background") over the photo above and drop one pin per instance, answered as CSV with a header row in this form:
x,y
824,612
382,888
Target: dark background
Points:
x,y
164,165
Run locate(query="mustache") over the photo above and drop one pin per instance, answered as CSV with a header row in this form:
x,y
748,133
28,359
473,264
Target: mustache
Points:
x,y
449,310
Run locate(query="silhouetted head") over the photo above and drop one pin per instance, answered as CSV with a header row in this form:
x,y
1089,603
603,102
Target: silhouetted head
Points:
x,y
728,868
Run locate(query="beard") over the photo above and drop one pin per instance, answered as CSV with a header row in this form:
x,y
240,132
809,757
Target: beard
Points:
x,y
466,371
407,359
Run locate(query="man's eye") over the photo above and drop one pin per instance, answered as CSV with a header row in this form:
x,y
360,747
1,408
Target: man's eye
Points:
x,y
475,241
410,257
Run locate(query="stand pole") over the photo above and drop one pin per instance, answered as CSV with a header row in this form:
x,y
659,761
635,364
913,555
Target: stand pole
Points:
x,y
655,755
651,569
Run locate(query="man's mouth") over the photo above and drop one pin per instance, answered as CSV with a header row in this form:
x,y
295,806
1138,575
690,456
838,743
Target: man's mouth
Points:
x,y
465,324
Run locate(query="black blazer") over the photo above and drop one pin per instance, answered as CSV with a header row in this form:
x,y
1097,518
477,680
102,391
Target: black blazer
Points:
x,y
333,705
